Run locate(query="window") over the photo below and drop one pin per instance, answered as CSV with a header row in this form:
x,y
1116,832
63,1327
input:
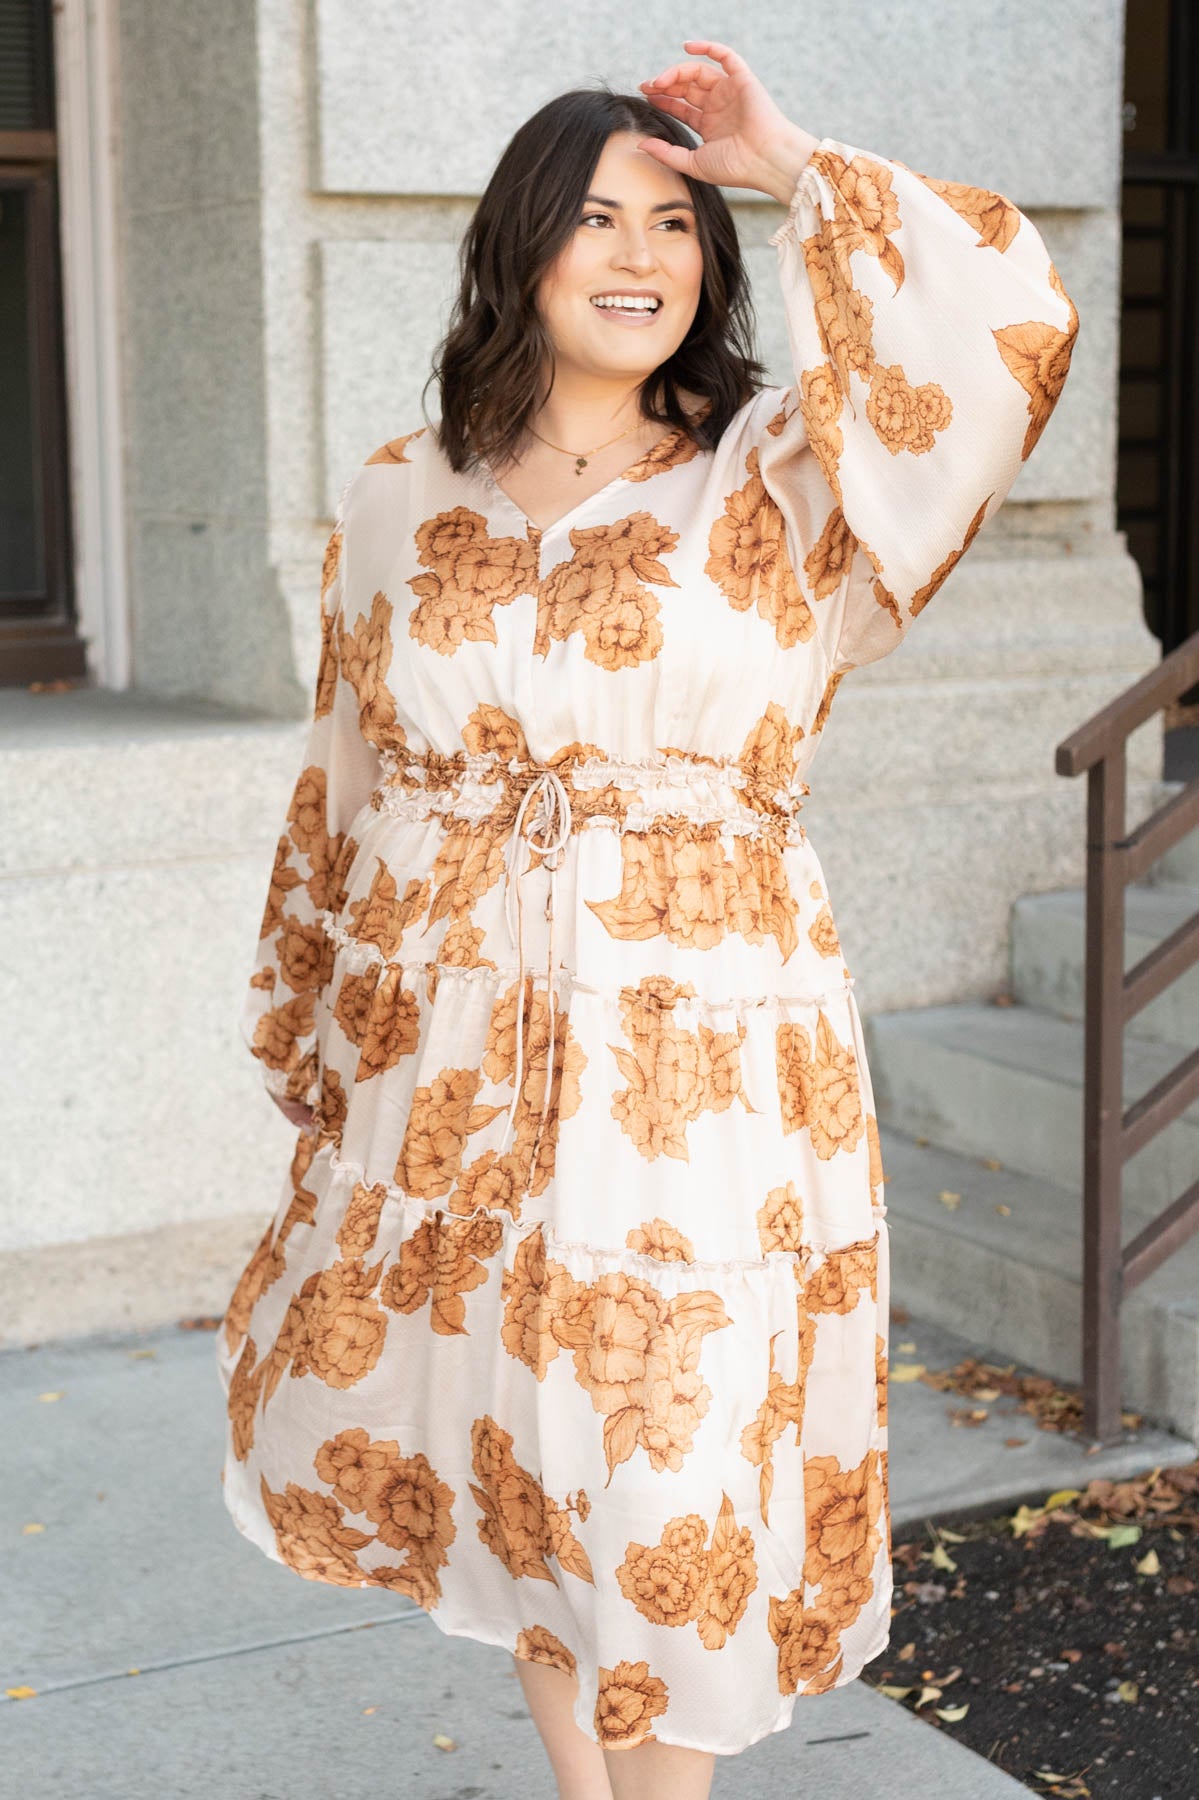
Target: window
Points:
x,y
38,634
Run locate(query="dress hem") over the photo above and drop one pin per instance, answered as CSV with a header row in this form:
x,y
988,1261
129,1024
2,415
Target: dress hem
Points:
x,y
502,1642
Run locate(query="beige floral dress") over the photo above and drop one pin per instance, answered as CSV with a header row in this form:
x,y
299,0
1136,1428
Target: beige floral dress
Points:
x,y
593,1367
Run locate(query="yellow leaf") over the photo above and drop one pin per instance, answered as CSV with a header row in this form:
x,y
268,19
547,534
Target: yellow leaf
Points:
x,y
1127,1690
906,1371
1001,1208
1121,1535
908,1348
894,1693
369,1709
143,1353
1062,1497
133,1671
992,1162
1148,1565
927,1694
985,1394
54,1394
444,1743
20,1693
953,1713
949,1199
941,1559
951,1537
1023,1518
32,1526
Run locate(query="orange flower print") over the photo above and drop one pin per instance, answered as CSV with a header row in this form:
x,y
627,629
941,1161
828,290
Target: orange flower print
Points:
x,y
822,933
311,1535
780,1220
661,1240
636,1353
279,1033
283,880
819,1086
769,750
843,1509
245,1391
829,560
783,1406
360,1221
469,574
679,1580
678,883
442,1116
365,660
381,916
404,1499
836,1284
750,564
906,417
391,1029
537,1643
602,592
629,1699
673,1075
442,1260
820,403
922,596
334,1328
489,730
1038,355
521,1523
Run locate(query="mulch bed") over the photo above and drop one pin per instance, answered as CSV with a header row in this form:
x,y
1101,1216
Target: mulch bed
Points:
x,y
1060,1641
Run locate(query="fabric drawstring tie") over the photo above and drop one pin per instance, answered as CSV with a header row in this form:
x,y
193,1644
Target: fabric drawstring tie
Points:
x,y
550,836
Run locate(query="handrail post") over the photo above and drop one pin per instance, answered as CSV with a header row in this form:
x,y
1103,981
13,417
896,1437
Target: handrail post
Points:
x,y
1103,1104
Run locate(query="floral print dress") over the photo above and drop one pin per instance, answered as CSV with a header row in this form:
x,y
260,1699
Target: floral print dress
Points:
x,y
571,1321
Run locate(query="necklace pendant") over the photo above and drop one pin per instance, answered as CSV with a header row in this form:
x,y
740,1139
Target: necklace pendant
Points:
x,y
580,464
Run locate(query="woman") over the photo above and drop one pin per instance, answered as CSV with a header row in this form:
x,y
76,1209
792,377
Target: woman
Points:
x,y
594,1367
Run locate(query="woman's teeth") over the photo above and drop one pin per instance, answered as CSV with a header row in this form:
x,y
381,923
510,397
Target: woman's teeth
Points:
x,y
627,305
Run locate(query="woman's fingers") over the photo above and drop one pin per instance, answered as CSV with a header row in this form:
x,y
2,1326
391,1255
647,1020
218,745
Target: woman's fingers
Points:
x,y
728,59
672,155
680,109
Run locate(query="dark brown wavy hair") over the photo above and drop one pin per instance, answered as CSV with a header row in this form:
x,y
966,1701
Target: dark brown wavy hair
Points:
x,y
488,363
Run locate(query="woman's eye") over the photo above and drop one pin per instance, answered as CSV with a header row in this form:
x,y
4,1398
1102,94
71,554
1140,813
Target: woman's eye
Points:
x,y
589,218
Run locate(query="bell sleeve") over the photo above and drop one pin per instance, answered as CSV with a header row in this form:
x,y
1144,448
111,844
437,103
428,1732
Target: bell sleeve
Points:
x,y
930,336
339,770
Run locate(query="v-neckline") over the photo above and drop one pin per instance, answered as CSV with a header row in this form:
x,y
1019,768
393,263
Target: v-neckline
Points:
x,y
505,499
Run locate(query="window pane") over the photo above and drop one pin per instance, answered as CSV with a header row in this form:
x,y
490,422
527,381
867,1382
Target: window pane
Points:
x,y
21,570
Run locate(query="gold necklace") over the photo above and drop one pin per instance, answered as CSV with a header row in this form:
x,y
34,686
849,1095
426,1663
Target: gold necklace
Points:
x,y
581,459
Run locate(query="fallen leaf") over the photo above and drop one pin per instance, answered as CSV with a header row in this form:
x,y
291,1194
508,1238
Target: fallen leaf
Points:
x,y
907,1348
949,1199
20,1693
992,1162
927,1694
444,1743
953,1713
907,1653
1062,1497
1127,1690
1149,1564
31,1527
369,1709
895,1693
56,1394
906,1371
941,1558
1121,1535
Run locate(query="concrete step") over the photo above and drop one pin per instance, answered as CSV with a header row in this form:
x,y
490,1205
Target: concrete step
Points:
x,y
1007,1082
1048,955
1013,1280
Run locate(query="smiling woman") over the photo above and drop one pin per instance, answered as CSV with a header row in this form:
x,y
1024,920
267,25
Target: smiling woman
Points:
x,y
571,1324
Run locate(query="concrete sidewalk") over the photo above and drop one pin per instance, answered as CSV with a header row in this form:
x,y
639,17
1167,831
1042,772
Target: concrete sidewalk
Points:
x,y
253,1684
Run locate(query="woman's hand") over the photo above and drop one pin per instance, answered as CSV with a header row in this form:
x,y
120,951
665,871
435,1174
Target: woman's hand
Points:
x,y
295,1110
747,141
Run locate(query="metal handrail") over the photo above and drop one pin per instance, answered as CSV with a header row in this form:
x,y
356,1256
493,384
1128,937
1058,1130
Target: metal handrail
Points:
x,y
1112,996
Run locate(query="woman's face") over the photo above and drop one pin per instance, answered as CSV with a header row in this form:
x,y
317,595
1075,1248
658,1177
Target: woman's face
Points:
x,y
636,234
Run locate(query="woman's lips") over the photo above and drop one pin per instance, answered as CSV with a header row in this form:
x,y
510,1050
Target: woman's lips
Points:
x,y
636,319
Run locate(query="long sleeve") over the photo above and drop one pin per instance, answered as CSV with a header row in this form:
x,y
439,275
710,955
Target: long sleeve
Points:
x,y
294,962
930,336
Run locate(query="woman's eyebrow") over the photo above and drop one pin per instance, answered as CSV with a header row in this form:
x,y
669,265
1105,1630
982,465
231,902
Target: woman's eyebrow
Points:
x,y
663,206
